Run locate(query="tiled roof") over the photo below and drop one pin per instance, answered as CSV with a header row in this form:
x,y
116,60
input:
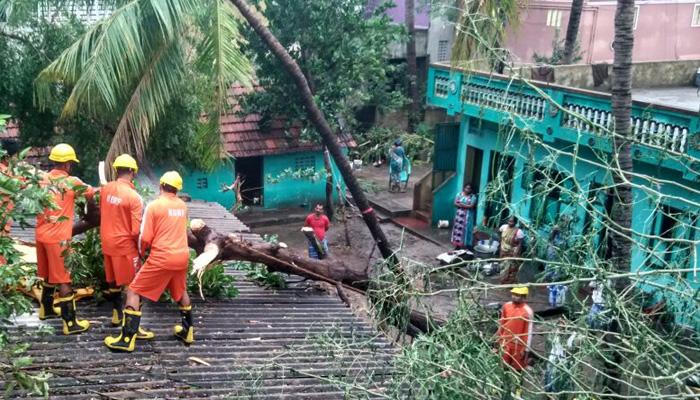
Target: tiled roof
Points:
x,y
244,137
37,155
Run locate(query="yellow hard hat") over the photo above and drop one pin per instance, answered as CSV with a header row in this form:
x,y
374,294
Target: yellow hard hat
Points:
x,y
125,161
522,290
63,153
173,179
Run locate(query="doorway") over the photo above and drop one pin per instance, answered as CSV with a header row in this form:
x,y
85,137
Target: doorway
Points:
x,y
250,169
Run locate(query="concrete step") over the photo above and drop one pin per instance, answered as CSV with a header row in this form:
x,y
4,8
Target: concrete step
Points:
x,y
423,215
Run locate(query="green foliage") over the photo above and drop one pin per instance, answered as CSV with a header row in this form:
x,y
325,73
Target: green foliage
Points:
x,y
377,143
309,173
19,186
259,274
216,284
86,263
557,56
341,51
14,365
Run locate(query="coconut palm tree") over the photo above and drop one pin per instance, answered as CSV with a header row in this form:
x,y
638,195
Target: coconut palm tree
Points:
x,y
133,61
572,30
412,66
132,64
621,241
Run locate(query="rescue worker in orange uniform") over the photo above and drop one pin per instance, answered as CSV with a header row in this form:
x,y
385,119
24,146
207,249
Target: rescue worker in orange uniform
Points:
x,y
11,148
120,220
515,329
54,230
164,232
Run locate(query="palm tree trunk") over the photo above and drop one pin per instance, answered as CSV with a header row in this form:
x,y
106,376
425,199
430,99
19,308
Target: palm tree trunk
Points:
x,y
318,120
329,184
572,30
622,209
412,64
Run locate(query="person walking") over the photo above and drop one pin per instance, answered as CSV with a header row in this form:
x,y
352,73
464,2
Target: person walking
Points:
x,y
121,208
54,230
463,226
514,333
164,233
511,246
320,224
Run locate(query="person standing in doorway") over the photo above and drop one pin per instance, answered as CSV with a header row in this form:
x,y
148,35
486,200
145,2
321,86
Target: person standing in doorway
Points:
x,y
320,224
463,227
511,246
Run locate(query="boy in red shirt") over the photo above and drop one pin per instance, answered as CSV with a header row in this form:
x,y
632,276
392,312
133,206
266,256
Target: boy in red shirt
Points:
x,y
320,223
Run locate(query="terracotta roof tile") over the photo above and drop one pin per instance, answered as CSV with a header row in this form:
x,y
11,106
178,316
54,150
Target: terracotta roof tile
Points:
x,y
243,136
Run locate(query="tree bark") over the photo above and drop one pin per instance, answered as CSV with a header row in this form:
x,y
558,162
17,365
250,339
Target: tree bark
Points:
x,y
329,184
622,207
318,120
412,66
572,30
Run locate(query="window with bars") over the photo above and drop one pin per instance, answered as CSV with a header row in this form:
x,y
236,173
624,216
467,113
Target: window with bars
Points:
x,y
554,18
202,183
443,50
673,231
305,162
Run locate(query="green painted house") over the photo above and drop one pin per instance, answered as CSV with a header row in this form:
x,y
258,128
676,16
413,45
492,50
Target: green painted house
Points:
x,y
278,168
546,164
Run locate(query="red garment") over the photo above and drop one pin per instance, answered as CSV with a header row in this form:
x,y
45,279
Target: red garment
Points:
x,y
515,333
50,262
120,215
151,281
319,224
121,270
55,226
164,231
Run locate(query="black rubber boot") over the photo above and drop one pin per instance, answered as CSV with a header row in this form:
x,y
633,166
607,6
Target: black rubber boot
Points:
x,y
185,331
126,341
71,325
46,307
114,296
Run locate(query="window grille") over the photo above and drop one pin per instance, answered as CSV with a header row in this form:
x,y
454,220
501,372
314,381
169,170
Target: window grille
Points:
x,y
305,162
443,47
202,183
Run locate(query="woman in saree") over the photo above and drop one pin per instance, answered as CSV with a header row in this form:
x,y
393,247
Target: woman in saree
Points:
x,y
511,244
463,227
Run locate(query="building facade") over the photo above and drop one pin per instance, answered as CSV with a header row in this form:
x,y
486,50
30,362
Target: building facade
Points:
x,y
547,165
663,30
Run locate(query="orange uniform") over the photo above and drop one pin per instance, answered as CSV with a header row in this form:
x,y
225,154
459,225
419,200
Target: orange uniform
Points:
x,y
54,228
120,215
164,231
515,333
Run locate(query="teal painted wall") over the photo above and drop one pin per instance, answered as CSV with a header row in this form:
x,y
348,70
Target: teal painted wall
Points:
x,y
206,186
281,190
485,136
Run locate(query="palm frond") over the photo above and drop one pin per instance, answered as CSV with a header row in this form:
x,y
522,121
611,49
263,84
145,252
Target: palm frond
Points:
x,y
103,64
481,29
220,55
159,82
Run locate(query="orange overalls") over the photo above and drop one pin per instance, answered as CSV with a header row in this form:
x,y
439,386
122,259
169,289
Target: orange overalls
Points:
x,y
515,333
164,231
120,219
54,228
